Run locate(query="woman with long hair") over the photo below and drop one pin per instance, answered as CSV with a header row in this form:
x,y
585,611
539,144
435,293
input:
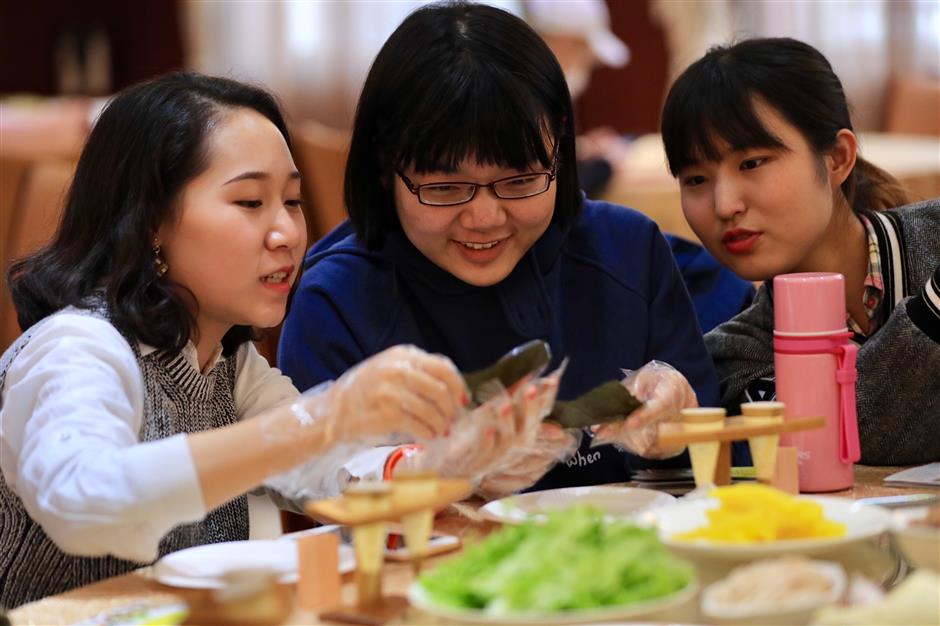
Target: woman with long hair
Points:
x,y
135,413
760,138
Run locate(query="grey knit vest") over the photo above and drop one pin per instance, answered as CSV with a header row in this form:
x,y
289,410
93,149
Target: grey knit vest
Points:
x,y
178,399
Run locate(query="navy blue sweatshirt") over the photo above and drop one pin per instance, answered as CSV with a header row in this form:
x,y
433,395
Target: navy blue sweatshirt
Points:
x,y
607,294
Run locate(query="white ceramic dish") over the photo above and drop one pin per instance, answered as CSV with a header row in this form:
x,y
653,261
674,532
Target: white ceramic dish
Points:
x,y
792,613
613,501
919,543
861,522
420,598
204,567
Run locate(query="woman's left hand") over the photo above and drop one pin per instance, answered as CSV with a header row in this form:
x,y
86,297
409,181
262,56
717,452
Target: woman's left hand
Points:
x,y
664,392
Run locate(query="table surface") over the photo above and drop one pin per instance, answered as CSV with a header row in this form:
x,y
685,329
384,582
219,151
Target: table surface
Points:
x,y
139,586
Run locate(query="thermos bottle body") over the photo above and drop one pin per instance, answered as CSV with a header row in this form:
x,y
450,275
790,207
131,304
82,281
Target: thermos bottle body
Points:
x,y
814,362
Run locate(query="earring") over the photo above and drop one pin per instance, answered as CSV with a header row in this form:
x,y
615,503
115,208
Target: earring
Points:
x,y
160,266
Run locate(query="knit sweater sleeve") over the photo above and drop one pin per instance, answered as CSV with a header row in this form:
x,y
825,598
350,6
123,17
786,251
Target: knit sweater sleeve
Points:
x,y
742,349
898,403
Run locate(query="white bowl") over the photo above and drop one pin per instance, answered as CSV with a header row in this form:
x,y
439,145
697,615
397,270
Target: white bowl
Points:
x,y
861,523
799,612
919,544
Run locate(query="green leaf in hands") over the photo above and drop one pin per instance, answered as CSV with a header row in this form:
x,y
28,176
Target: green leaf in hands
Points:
x,y
605,403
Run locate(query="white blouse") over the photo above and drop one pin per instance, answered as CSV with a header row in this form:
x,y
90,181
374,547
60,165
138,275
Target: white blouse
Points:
x,y
72,405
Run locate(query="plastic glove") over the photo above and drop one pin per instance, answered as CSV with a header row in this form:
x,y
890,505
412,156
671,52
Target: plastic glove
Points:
x,y
495,435
473,445
538,445
402,393
551,444
401,390
664,392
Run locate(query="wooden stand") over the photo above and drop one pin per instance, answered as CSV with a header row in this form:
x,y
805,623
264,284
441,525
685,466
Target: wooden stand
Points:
x,y
372,607
735,429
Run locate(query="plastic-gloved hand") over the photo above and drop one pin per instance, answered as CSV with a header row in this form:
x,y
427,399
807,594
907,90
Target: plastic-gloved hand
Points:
x,y
529,463
495,435
402,390
664,392
474,443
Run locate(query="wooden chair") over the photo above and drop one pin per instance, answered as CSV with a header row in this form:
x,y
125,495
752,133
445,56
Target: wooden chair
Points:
x,y
12,174
321,152
913,106
30,219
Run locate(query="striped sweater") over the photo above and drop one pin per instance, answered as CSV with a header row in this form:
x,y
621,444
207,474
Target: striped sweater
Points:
x,y
178,399
898,388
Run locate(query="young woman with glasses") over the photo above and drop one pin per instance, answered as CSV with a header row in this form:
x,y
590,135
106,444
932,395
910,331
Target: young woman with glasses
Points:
x,y
468,235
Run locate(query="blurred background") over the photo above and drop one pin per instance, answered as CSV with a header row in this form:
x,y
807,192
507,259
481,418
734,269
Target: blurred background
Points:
x,y
61,60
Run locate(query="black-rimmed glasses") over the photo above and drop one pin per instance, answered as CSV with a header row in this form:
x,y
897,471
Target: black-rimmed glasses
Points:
x,y
509,188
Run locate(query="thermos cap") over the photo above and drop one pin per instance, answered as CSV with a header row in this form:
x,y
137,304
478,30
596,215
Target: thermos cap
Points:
x,y
809,303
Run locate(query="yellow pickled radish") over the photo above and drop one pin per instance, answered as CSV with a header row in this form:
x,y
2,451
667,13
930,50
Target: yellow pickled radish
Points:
x,y
754,513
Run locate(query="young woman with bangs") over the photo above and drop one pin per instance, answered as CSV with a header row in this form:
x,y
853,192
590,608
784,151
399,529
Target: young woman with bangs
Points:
x,y
468,235
759,136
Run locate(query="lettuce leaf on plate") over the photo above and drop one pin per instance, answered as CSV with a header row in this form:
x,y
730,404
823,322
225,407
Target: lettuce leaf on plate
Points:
x,y
575,560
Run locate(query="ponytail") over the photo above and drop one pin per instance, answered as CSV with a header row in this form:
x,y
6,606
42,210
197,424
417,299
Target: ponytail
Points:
x,y
870,188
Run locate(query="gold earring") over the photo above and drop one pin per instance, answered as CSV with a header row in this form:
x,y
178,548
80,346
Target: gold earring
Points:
x,y
159,264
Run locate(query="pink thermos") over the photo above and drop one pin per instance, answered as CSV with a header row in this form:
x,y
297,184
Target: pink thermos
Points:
x,y
814,360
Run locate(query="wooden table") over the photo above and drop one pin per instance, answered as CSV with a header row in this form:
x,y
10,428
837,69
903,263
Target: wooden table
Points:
x,y
139,586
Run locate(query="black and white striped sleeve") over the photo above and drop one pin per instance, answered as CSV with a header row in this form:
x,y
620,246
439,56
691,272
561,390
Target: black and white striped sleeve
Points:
x,y
924,308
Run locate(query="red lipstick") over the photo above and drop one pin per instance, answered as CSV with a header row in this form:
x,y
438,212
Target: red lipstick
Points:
x,y
740,240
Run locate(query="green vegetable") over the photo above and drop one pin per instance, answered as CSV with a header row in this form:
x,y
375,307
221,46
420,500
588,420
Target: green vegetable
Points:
x,y
574,560
605,403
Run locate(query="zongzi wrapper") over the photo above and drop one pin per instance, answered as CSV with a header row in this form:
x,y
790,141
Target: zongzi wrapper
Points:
x,y
608,402
529,358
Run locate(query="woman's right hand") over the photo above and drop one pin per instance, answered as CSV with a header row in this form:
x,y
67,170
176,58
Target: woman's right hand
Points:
x,y
400,390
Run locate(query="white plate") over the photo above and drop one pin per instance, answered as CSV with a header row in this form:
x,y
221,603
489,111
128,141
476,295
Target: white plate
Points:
x,y
204,567
861,522
420,598
613,501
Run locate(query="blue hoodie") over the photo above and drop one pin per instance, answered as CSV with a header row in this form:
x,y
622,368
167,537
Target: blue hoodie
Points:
x,y
606,293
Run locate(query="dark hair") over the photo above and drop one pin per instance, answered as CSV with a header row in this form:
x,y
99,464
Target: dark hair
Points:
x,y
457,80
148,143
713,100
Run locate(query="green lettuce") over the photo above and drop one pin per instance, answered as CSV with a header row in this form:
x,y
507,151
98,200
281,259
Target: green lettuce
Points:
x,y
574,560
